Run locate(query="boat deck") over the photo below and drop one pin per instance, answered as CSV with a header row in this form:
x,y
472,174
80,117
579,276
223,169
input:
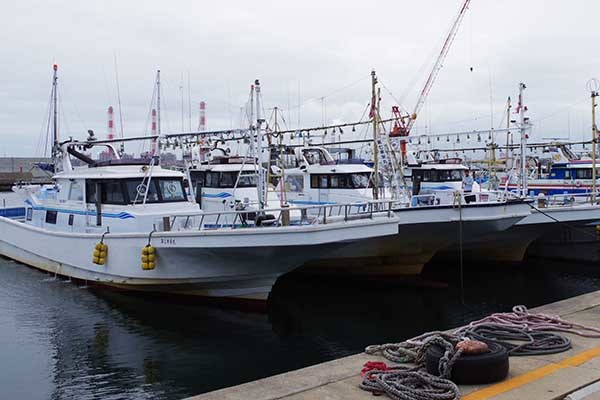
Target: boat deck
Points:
x,y
534,378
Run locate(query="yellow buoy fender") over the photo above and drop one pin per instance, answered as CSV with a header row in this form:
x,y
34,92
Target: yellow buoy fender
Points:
x,y
100,253
148,257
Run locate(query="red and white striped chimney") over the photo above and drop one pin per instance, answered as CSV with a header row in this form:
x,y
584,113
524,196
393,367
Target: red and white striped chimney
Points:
x,y
154,132
154,129
111,123
202,126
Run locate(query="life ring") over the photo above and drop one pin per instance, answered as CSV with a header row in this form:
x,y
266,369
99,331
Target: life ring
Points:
x,y
578,183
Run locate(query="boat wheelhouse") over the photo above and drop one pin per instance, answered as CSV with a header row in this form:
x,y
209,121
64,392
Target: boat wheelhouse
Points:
x,y
310,176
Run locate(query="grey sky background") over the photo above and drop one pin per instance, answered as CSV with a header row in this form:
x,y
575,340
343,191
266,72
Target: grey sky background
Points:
x,y
301,51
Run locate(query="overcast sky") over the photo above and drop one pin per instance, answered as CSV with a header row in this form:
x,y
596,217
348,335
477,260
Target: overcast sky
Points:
x,y
301,51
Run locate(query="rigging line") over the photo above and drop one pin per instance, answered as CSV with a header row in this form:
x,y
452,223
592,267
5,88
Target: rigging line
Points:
x,y
77,113
563,109
283,120
106,88
44,137
331,93
118,94
142,145
391,94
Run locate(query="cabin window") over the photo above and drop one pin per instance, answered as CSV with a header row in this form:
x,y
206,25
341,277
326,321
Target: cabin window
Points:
x,y
197,179
294,183
567,174
29,214
112,192
76,191
359,180
443,175
51,217
228,179
136,190
128,191
582,173
71,219
171,190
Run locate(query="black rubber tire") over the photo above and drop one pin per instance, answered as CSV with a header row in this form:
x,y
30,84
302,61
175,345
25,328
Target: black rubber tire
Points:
x,y
472,369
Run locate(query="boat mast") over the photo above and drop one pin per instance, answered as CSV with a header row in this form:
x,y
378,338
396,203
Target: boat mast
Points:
x,y
508,134
259,139
154,149
374,115
593,86
524,122
55,149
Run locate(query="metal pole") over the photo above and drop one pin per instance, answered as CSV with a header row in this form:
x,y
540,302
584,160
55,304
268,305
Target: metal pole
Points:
x,y
522,88
594,94
54,113
375,136
158,99
259,139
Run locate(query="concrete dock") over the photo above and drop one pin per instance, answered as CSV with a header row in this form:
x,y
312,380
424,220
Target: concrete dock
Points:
x,y
544,377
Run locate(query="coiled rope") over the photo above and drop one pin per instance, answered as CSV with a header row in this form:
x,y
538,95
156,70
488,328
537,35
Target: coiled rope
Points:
x,y
530,342
409,384
401,383
520,332
521,317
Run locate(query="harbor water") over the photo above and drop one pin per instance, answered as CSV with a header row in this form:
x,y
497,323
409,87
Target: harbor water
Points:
x,y
66,341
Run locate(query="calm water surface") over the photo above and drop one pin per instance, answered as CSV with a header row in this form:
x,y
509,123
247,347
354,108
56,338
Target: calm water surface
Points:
x,y
59,340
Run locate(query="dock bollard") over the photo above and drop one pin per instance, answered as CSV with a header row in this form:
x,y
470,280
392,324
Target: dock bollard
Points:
x,y
541,200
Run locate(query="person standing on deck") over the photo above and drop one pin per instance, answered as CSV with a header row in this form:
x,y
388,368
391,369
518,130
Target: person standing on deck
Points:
x,y
467,182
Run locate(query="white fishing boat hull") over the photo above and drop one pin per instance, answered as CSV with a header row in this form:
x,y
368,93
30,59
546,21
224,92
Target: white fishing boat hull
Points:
x,y
513,244
422,232
240,263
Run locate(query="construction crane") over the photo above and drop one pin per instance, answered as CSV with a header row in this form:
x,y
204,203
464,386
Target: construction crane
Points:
x,y
404,123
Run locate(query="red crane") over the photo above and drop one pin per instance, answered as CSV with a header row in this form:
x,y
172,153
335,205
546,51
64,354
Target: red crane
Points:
x,y
404,123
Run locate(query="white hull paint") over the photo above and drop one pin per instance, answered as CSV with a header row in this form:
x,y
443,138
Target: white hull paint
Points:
x,y
513,243
422,232
242,263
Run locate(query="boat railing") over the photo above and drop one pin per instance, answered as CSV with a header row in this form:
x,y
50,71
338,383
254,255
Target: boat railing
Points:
x,y
459,197
279,217
567,199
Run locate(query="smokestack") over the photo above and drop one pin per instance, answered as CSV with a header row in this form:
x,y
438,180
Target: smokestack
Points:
x,y
202,126
154,129
154,132
111,123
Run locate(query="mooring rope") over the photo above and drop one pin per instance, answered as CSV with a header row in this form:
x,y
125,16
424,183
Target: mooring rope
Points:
x,y
409,384
520,317
520,332
529,342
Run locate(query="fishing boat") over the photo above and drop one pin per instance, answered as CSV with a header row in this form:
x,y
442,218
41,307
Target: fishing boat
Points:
x,y
557,171
129,224
427,222
157,240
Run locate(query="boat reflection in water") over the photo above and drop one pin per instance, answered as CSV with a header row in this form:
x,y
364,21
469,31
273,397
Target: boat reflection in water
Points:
x,y
84,343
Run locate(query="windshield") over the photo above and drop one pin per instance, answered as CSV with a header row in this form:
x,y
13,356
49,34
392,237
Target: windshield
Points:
x,y
358,180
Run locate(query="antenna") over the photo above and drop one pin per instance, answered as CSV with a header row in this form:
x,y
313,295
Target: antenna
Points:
x,y
118,96
189,102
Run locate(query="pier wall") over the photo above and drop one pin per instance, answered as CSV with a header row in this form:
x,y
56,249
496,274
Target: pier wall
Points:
x,y
20,164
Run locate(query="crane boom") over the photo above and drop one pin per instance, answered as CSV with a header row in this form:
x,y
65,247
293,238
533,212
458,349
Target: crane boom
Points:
x,y
437,66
